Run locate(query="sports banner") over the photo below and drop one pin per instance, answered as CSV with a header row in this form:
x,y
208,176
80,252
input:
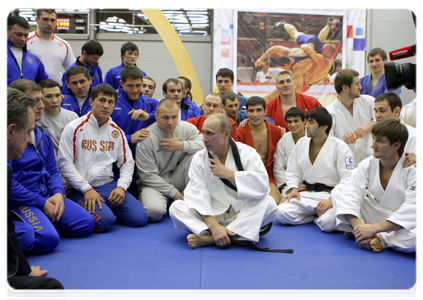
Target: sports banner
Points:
x,y
311,44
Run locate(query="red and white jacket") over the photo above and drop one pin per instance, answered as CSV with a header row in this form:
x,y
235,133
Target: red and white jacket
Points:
x,y
87,153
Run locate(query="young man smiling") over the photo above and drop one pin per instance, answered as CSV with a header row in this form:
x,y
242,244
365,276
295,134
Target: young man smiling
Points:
x,y
295,121
375,83
262,136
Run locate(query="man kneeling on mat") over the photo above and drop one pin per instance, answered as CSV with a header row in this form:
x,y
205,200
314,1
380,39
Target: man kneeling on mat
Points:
x,y
225,200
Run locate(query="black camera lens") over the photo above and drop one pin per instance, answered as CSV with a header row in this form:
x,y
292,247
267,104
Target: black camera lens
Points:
x,y
398,75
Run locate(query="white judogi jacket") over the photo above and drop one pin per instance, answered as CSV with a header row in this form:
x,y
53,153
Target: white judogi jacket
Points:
x,y
208,195
343,121
87,153
411,145
332,167
283,150
396,204
409,112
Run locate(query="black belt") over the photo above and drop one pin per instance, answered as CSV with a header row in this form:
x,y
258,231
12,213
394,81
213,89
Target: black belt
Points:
x,y
317,187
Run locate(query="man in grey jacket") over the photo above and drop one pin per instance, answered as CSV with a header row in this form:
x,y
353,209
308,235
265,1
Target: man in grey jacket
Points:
x,y
163,159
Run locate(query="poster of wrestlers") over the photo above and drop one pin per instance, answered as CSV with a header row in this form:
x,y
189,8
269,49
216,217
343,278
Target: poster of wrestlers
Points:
x,y
309,44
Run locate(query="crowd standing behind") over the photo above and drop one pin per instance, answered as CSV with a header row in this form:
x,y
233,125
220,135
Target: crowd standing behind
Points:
x,y
125,155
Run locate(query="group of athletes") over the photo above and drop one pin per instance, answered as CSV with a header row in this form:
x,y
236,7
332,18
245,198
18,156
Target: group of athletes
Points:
x,y
84,153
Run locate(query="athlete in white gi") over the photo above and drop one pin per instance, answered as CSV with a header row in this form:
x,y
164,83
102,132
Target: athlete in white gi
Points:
x,y
324,164
352,114
213,212
387,216
388,106
295,121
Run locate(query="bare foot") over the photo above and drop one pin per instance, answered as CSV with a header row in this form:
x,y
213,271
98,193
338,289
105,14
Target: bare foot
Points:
x,y
199,241
376,245
349,235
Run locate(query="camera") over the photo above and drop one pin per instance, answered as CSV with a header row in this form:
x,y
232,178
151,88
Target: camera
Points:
x,y
407,74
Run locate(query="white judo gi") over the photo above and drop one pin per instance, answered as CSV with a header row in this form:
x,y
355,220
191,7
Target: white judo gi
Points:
x,y
409,113
250,208
343,122
411,145
396,204
332,167
283,149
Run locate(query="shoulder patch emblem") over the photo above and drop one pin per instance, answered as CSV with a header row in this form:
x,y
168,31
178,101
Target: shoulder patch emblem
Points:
x,y
115,134
29,59
349,163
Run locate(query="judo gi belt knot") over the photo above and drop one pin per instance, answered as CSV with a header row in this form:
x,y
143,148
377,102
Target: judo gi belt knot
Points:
x,y
317,187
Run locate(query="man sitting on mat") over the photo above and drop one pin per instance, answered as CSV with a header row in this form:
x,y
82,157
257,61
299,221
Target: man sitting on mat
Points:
x,y
226,200
379,203
322,163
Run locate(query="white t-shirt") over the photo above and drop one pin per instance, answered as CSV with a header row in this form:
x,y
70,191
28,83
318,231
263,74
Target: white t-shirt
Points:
x,y
55,54
17,52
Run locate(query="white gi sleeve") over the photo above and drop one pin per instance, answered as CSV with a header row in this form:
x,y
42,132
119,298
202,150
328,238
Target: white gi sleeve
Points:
x,y
279,164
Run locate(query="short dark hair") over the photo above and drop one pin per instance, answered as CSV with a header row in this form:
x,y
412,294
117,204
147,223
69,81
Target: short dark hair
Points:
x,y
254,100
229,95
93,47
377,51
128,46
392,99
77,70
393,130
130,72
283,60
17,107
174,80
105,89
187,82
225,72
321,116
46,10
345,76
18,20
49,83
149,78
26,84
295,112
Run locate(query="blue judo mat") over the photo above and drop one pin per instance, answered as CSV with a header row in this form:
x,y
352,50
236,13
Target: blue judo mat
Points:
x,y
157,256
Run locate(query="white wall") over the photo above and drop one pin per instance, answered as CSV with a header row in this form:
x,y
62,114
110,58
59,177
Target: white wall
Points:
x,y
388,29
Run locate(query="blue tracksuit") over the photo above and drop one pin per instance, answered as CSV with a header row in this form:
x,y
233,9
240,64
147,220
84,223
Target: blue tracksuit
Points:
x,y
71,103
380,87
95,73
35,179
124,121
113,76
32,67
189,109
